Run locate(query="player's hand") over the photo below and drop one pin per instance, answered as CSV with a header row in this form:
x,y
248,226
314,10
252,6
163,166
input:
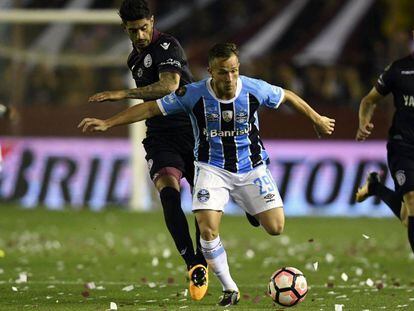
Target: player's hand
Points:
x,y
107,96
324,126
364,131
93,125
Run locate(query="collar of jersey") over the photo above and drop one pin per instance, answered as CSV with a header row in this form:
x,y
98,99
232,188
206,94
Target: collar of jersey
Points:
x,y
224,101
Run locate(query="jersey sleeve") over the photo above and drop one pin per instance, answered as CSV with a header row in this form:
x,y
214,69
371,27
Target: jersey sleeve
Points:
x,y
170,56
176,102
272,95
385,80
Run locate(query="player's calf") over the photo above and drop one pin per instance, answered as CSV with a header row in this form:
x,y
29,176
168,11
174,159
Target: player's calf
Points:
x,y
273,220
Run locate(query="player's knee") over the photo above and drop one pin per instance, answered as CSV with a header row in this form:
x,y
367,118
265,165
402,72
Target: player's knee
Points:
x,y
208,233
409,202
274,228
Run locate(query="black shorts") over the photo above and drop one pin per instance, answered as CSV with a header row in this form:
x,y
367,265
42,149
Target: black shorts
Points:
x,y
401,164
170,151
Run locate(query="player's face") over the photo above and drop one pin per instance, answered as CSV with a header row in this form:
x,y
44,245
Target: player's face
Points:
x,y
140,31
225,72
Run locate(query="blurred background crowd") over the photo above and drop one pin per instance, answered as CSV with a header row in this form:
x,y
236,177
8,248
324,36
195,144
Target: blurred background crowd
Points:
x,y
51,64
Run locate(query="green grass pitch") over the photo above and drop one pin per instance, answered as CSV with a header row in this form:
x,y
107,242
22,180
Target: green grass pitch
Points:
x,y
60,252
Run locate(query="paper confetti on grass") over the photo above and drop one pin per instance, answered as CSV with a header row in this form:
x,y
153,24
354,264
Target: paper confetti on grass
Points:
x,y
344,276
338,307
315,265
128,288
369,282
22,278
250,253
366,236
113,306
90,285
2,253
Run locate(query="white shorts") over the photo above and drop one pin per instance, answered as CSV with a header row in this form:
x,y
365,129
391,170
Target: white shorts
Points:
x,y
254,192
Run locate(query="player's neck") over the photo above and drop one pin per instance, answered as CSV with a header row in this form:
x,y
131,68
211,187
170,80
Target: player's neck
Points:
x,y
221,94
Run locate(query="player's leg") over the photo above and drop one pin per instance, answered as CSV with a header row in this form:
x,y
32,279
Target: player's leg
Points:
x,y
210,195
166,166
215,254
409,203
258,195
167,184
373,187
189,172
273,220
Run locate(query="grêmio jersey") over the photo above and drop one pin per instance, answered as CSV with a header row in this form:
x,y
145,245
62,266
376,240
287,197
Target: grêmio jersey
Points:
x,y
226,131
398,79
163,54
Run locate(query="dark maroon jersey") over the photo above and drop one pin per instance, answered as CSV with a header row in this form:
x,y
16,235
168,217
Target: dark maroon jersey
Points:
x,y
163,54
398,79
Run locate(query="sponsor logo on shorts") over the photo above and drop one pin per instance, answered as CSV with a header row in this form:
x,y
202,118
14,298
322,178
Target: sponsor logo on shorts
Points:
x,y
270,197
400,177
140,72
203,195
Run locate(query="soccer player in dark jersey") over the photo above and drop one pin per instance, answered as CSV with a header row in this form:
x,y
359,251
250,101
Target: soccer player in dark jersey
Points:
x,y
230,156
159,66
398,79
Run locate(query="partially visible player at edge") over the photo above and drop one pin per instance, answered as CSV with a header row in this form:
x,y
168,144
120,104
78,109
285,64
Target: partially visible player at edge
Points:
x,y
159,66
398,79
230,157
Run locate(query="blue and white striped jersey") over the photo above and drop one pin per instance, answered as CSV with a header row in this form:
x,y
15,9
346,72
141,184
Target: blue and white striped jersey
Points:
x,y
226,131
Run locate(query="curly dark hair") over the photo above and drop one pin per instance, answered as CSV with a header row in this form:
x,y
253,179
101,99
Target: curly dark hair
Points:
x,y
132,10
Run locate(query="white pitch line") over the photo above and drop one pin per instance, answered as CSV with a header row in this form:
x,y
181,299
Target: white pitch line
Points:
x,y
63,282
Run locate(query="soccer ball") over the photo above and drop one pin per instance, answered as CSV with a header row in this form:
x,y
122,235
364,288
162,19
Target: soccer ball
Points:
x,y
288,286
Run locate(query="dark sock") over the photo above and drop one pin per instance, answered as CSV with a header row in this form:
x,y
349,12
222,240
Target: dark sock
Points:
x,y
199,253
177,224
389,197
411,231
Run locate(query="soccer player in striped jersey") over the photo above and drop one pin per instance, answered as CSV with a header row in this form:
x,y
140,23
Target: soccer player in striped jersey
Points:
x,y
230,157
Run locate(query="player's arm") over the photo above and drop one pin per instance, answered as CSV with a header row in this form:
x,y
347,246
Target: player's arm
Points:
x,y
366,111
132,114
168,82
322,124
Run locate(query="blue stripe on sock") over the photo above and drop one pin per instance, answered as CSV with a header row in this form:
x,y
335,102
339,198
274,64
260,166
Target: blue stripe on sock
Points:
x,y
214,253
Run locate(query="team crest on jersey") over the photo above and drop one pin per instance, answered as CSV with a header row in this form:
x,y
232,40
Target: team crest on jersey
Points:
x,y
140,72
203,195
148,61
241,117
181,91
212,117
400,177
227,115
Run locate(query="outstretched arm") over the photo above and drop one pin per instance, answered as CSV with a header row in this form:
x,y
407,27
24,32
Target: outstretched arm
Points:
x,y
366,111
132,114
168,82
322,124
